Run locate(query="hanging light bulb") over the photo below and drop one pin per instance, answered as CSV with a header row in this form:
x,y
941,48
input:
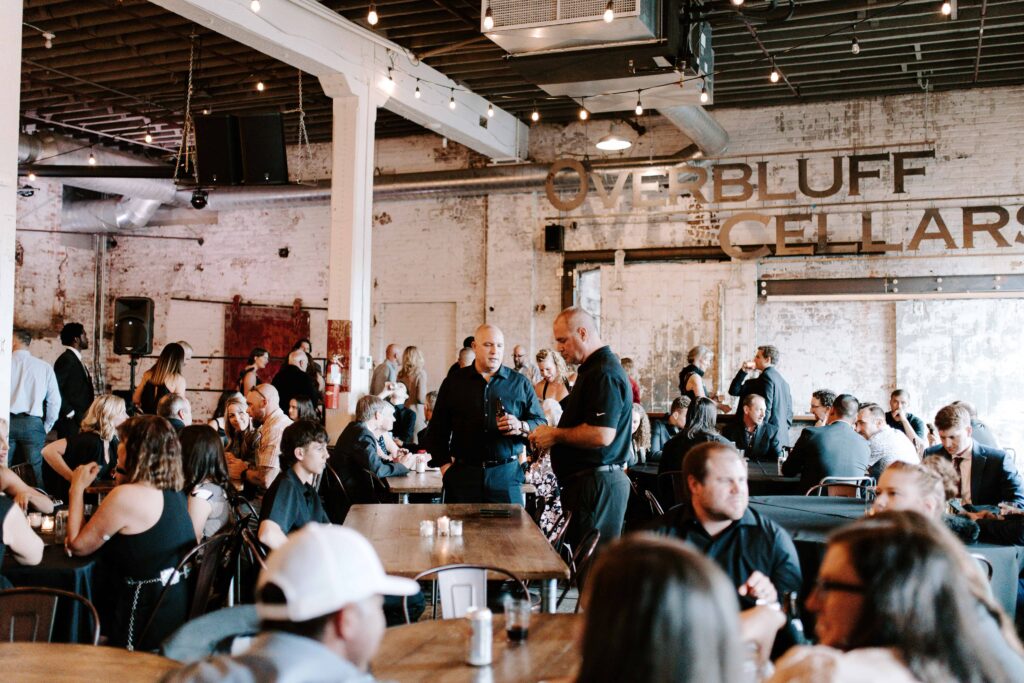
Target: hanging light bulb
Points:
x,y
31,177
609,12
388,83
737,2
371,16
639,106
774,76
704,94
584,114
535,115
855,46
260,87
255,5
451,101
48,39
92,159
947,8
417,94
490,111
206,112
149,138
488,19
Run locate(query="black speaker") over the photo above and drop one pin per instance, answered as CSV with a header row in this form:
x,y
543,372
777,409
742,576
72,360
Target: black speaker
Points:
x,y
133,326
554,238
263,154
218,150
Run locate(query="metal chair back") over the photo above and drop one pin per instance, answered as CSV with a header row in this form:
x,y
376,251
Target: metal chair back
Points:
x,y
848,487
672,487
652,501
985,563
379,490
334,496
27,614
462,586
579,563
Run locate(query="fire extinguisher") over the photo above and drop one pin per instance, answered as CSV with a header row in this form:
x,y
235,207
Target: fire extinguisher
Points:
x,y
332,390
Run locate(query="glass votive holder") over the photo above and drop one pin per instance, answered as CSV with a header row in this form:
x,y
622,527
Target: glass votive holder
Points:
x,y
47,524
455,527
427,527
443,526
35,519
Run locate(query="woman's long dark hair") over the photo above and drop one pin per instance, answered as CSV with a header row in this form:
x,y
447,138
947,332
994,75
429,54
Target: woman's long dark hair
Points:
x,y
918,598
657,612
700,417
256,353
202,454
305,408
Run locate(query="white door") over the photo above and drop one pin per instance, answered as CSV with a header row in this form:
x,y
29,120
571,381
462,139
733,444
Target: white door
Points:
x,y
427,326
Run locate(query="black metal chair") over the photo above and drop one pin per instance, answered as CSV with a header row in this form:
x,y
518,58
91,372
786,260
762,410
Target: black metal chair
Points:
x,y
652,501
579,563
27,614
334,496
846,487
379,489
672,488
461,586
561,526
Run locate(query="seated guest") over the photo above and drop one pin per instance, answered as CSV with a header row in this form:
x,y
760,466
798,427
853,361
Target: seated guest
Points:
x,y
319,602
404,428
359,450
887,445
630,367
143,529
821,404
757,438
301,408
15,532
428,413
835,450
981,433
292,502
217,420
466,356
206,480
663,430
924,489
700,427
899,600
987,475
901,419
243,437
292,380
554,376
640,444
176,409
95,442
756,553
265,408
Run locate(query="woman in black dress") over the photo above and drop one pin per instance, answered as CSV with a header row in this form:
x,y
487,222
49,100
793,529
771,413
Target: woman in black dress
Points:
x,y
258,359
96,442
143,529
163,378
691,378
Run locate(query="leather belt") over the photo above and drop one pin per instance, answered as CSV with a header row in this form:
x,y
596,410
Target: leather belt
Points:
x,y
607,468
487,464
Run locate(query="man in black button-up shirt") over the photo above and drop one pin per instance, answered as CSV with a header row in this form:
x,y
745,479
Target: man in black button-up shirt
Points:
x,y
476,446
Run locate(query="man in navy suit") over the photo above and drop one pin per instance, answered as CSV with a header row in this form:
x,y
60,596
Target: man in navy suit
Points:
x,y
988,475
770,385
757,438
835,450
76,390
359,450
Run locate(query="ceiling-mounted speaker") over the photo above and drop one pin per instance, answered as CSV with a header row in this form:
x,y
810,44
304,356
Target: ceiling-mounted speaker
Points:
x,y
264,161
217,150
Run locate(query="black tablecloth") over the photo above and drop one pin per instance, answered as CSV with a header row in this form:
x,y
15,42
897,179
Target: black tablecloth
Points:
x,y
810,519
763,479
72,623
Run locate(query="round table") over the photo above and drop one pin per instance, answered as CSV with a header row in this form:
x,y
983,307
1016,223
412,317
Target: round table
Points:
x,y
435,652
60,662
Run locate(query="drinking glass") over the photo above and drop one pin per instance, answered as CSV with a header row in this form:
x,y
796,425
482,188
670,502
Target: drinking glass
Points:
x,y
517,618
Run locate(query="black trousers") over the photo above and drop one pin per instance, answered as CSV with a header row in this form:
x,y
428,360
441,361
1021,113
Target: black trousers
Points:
x,y
597,500
475,484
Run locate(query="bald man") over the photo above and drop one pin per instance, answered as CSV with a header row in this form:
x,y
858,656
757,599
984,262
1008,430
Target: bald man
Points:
x,y
590,445
386,371
265,409
483,415
521,364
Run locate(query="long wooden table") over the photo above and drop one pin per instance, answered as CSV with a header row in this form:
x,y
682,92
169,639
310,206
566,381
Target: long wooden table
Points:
x,y
435,652
514,543
426,482
63,663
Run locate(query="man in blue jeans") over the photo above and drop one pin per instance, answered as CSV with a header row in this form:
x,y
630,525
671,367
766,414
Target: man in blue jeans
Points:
x,y
35,405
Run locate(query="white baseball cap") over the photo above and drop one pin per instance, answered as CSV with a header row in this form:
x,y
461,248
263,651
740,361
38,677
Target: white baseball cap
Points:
x,y
322,568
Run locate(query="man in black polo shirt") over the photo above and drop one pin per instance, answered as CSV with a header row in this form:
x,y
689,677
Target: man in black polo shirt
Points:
x,y
591,442
292,502
479,425
755,552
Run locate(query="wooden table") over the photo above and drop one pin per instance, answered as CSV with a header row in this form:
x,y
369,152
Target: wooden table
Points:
x,y
426,482
60,663
514,543
435,652
101,488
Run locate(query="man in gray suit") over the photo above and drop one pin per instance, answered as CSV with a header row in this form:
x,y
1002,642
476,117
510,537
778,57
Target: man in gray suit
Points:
x,y
769,384
835,450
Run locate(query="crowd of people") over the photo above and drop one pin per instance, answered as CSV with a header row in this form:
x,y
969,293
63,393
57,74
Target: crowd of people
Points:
x,y
896,596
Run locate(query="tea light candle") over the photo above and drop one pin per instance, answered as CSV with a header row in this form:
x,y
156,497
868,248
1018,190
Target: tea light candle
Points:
x,y
48,524
455,527
426,528
35,519
443,526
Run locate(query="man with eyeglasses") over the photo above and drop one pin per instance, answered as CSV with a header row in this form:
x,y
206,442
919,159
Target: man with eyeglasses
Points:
x,y
265,410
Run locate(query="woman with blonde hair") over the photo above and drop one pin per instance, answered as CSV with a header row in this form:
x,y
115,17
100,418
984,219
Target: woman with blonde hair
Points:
x,y
414,377
554,376
243,438
163,378
143,529
96,442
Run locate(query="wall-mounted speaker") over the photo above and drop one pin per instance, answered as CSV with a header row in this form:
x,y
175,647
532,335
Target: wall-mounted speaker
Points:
x,y
554,237
133,326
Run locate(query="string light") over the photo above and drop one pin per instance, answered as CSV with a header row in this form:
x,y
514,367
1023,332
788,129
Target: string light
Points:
x,y
774,76
149,138
704,93
260,87
48,39
535,116
451,100
92,159
584,114
206,112
31,177
371,16
417,94
947,8
639,106
737,2
255,5
488,19
855,46
609,12
389,82
490,111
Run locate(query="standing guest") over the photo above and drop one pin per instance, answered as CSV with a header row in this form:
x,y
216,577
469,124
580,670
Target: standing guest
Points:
x,y
640,444
301,408
691,378
292,501
465,357
554,376
319,601
187,350
292,381
672,424
987,475
243,438
34,390
771,385
901,419
25,544
76,390
163,378
386,372
414,377
218,421
258,360
980,431
14,488
521,363
175,409
627,365
358,450
591,442
480,424
835,450
887,444
755,552
755,437
206,480
896,601
423,438
700,428
821,404
96,442
143,529
265,409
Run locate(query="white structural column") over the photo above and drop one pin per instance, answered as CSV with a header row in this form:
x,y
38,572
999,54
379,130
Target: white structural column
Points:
x,y
10,63
349,281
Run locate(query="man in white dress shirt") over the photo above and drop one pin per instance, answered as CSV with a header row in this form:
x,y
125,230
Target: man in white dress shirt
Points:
x,y
887,444
35,405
